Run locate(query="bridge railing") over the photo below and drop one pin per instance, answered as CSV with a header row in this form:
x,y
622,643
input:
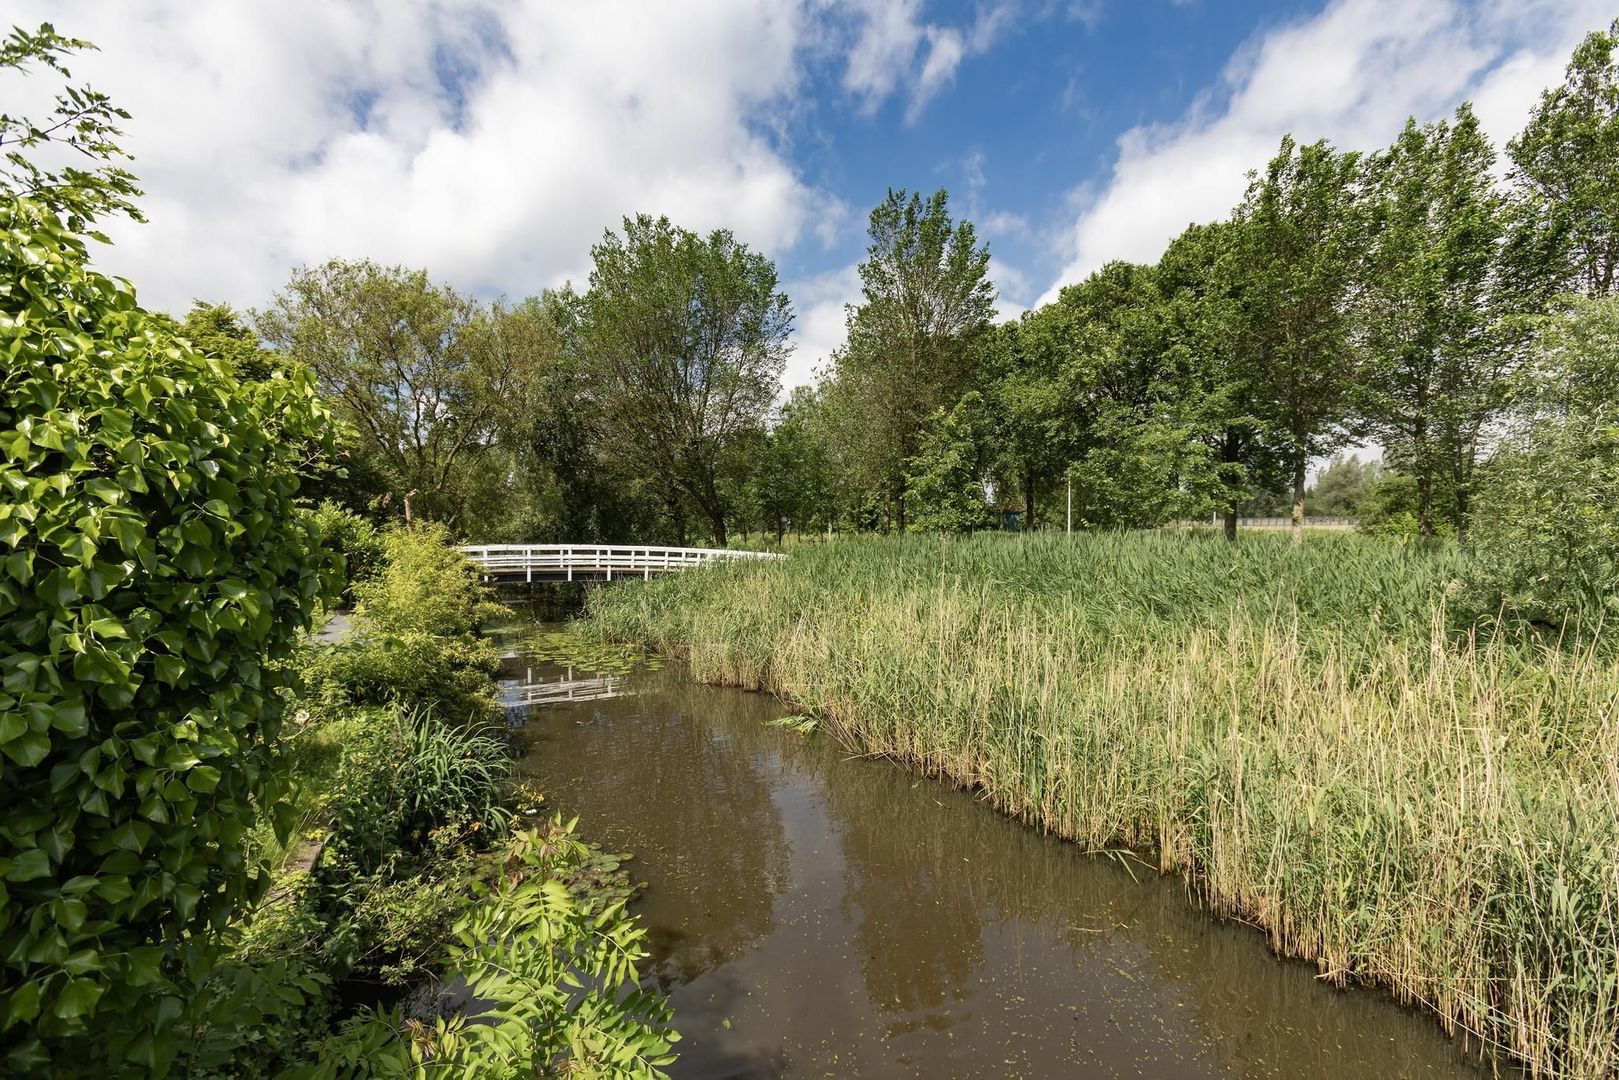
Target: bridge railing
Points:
x,y
611,559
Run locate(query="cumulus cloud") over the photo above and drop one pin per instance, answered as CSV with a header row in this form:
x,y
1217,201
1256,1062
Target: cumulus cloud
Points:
x,y
819,326
1352,74
490,143
894,50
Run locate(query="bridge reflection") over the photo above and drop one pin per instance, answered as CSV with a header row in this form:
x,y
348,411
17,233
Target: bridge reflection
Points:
x,y
518,694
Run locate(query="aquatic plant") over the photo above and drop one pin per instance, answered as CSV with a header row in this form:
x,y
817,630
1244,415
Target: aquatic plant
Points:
x,y
1300,732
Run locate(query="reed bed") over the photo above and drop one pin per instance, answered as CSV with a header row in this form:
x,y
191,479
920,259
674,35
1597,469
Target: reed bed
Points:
x,y
1298,732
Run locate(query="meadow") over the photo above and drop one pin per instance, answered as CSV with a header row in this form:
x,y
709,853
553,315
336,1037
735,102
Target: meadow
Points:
x,y
1310,736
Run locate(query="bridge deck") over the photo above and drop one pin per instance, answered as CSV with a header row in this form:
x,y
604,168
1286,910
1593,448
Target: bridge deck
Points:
x,y
593,562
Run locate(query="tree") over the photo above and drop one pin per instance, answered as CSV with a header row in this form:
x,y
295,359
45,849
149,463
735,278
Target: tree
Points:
x,y
157,573
217,330
1563,166
684,338
789,469
1025,398
1340,487
1300,241
925,294
84,123
1218,384
425,376
947,474
1435,306
1546,543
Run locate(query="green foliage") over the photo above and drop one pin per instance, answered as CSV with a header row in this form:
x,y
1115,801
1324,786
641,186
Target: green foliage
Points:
x,y
1547,537
217,330
926,297
407,776
1299,230
557,975
155,570
945,488
83,121
684,339
1436,301
425,377
1564,167
360,542
426,586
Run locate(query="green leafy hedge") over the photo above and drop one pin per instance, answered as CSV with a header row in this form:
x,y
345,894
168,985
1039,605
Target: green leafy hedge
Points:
x,y
153,567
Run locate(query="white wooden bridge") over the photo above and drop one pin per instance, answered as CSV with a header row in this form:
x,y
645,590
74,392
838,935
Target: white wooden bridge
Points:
x,y
593,562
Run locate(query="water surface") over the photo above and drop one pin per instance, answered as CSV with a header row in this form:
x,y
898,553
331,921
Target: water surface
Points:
x,y
812,914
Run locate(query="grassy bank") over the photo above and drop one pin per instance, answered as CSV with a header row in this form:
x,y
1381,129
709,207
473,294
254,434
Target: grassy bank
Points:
x,y
413,876
1297,731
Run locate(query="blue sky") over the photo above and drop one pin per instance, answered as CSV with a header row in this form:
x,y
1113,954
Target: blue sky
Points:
x,y
491,142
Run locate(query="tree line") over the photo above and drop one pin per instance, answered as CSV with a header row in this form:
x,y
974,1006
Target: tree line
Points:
x,y
1392,297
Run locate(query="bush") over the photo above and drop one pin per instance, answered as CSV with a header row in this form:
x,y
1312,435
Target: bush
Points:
x,y
554,972
1546,538
356,539
1546,532
426,586
153,568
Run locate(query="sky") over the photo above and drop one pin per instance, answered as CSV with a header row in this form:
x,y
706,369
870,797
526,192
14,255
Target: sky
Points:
x,y
492,143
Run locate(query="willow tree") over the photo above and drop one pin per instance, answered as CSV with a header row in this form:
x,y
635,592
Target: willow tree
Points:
x,y
426,376
925,296
684,339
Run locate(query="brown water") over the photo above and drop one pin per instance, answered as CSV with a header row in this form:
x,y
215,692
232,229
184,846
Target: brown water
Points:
x,y
816,915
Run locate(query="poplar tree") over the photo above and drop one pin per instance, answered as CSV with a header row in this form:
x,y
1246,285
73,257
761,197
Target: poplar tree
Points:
x,y
925,294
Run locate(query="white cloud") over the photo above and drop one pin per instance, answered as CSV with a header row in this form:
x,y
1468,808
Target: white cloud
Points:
x,y
890,37
490,143
819,327
1351,74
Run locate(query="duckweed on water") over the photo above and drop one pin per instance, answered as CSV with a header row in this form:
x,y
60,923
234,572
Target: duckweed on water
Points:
x,y
569,649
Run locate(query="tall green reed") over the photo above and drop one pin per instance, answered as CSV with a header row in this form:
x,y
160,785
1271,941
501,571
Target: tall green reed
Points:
x,y
1300,732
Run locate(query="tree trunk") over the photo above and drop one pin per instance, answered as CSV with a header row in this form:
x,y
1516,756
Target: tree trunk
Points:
x,y
1419,443
1230,454
1425,505
1300,462
1028,500
716,521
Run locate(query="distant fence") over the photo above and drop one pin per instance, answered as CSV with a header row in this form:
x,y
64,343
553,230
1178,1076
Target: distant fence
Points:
x,y
1313,522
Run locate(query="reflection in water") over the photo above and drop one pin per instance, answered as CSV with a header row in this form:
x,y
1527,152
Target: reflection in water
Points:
x,y
530,689
726,829
813,914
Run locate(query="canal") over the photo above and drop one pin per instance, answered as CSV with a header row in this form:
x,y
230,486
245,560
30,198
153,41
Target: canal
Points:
x,y
814,914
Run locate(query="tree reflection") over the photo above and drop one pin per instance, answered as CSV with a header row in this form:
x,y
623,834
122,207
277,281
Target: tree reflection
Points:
x,y
653,774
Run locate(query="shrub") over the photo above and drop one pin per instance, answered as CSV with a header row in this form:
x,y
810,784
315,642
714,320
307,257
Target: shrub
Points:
x,y
554,975
426,586
356,539
406,777
1546,527
153,567
1546,538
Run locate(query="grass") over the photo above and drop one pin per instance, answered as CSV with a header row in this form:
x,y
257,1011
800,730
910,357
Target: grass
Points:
x,y
1299,732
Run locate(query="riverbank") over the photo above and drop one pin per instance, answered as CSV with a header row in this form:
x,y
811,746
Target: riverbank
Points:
x,y
1295,731
412,874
